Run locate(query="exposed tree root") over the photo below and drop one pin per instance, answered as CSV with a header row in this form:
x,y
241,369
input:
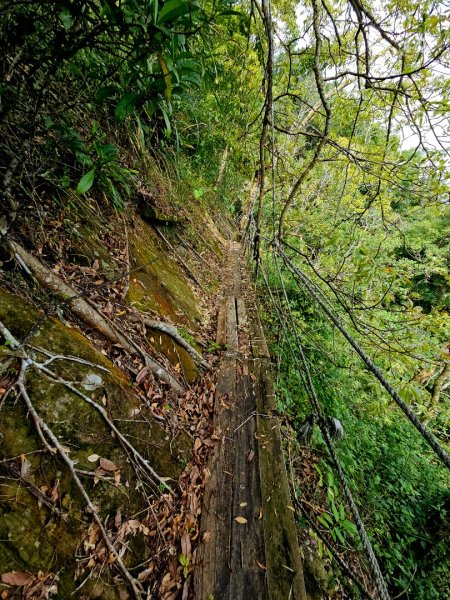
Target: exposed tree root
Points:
x,y
173,332
89,314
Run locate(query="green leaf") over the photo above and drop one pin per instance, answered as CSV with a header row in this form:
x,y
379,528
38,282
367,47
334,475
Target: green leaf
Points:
x,y
126,105
321,519
106,151
184,560
85,183
198,193
66,18
65,181
106,92
114,195
350,527
340,536
173,9
168,131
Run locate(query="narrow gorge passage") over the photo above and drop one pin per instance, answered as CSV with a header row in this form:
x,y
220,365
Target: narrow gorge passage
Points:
x,y
249,547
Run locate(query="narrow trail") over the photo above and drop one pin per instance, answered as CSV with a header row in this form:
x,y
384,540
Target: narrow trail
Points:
x,y
249,545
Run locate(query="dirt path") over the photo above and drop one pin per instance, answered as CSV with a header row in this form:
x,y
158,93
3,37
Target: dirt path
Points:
x,y
249,548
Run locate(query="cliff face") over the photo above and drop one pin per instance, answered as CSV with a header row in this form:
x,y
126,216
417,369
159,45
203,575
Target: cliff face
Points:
x,y
131,440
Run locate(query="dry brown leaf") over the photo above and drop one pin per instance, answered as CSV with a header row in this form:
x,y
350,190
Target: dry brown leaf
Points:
x,y
133,525
108,309
206,537
186,544
118,518
15,578
107,464
53,493
241,520
185,594
142,375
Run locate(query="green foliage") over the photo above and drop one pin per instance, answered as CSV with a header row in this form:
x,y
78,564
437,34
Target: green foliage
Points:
x,y
398,486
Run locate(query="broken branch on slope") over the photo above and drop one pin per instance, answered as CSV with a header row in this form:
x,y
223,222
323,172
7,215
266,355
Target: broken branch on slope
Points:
x,y
89,314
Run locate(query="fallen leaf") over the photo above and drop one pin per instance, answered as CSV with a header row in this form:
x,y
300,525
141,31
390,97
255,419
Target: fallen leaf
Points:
x,y
243,504
25,467
118,518
206,537
53,492
93,458
142,375
15,578
108,309
186,544
134,524
107,464
250,456
241,520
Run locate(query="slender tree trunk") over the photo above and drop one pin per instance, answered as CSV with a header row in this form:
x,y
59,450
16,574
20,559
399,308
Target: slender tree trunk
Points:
x,y
439,384
223,165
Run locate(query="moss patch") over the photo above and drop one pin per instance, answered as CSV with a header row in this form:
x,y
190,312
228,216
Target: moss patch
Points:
x,y
34,538
160,285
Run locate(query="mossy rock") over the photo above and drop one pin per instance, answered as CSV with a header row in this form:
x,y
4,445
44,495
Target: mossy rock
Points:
x,y
177,356
157,283
33,538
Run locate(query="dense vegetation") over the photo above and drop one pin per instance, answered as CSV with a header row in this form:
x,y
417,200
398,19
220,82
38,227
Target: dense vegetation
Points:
x,y
293,118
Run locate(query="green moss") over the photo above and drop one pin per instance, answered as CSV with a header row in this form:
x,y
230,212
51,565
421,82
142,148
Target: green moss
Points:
x,y
160,285
34,538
